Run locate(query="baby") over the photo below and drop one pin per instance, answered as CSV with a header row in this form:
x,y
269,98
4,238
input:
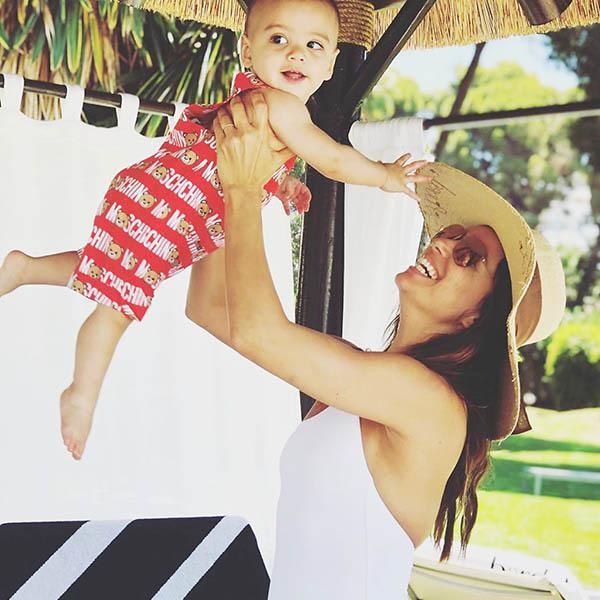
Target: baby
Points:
x,y
166,212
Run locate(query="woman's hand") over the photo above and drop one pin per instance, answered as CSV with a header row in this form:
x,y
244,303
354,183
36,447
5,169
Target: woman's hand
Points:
x,y
244,157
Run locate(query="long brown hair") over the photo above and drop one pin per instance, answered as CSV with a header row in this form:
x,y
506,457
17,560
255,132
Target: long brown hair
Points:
x,y
470,362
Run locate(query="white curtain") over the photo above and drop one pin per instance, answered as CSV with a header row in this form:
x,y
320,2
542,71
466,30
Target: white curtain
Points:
x,y
184,426
382,233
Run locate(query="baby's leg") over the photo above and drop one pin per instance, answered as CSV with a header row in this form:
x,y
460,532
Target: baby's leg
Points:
x,y
20,269
96,343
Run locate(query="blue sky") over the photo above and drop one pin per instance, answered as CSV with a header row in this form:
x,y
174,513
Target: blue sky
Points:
x,y
436,68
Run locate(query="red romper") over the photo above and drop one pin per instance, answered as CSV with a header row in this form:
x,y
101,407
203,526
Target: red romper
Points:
x,y
160,215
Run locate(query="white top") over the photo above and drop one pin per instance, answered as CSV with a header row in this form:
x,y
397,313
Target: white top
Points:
x,y
336,539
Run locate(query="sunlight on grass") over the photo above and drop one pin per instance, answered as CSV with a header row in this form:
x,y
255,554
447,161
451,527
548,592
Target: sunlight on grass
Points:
x,y
562,524
562,530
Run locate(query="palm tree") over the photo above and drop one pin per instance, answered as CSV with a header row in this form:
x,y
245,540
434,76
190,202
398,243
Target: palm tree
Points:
x,y
107,45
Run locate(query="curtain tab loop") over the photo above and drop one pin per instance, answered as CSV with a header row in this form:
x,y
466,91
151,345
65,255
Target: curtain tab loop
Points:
x,y
127,114
11,95
72,104
179,108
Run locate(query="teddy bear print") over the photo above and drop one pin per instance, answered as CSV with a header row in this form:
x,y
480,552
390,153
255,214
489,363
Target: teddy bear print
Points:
x,y
190,138
144,164
130,262
114,251
209,137
159,172
253,79
104,206
189,157
122,220
280,176
204,209
147,200
216,183
198,251
116,182
173,256
95,272
183,227
78,286
216,230
162,212
151,277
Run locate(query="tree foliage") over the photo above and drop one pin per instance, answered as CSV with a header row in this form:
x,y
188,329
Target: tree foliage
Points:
x,y
528,163
106,45
579,50
572,359
395,95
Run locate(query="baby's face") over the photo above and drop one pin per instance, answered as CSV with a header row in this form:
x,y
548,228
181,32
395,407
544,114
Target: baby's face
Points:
x,y
291,44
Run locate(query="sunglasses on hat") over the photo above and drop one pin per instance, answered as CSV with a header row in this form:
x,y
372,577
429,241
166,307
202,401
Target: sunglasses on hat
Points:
x,y
469,251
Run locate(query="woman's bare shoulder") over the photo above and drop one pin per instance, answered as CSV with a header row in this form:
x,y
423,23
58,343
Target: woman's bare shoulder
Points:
x,y
389,388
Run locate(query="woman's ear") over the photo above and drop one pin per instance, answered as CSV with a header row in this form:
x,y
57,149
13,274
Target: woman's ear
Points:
x,y
469,319
245,55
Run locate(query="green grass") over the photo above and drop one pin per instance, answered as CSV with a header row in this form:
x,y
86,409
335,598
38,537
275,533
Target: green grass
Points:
x,y
563,523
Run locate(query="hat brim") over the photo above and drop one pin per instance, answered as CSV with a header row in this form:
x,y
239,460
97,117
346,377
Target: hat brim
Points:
x,y
455,197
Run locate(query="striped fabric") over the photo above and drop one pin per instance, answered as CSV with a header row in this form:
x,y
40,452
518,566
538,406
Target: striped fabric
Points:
x,y
213,558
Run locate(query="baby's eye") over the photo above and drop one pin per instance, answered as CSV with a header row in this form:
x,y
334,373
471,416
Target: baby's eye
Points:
x,y
278,39
315,45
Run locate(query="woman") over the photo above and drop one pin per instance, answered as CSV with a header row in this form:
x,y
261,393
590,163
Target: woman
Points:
x,y
397,441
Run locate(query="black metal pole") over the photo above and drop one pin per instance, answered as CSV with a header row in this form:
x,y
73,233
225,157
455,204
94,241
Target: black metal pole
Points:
x,y
587,108
93,97
321,285
321,281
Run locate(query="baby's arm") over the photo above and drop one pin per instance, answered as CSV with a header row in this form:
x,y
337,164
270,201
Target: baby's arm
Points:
x,y
292,124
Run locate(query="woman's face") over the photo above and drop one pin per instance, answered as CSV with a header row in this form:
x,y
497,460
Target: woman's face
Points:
x,y
451,278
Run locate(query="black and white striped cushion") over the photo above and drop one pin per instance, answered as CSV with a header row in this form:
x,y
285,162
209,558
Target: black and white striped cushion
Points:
x,y
212,558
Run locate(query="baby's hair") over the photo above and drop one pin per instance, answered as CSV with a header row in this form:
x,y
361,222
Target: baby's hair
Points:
x,y
253,3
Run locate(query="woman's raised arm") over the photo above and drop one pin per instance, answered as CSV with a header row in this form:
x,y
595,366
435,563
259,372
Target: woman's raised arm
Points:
x,y
386,387
206,303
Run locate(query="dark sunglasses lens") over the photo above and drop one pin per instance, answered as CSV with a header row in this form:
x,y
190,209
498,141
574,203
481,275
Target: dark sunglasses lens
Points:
x,y
469,253
464,256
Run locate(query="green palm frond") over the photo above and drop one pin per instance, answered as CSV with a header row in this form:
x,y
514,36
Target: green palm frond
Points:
x,y
102,44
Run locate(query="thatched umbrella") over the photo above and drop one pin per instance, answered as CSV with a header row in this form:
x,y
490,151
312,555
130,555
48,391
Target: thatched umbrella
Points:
x,y
448,23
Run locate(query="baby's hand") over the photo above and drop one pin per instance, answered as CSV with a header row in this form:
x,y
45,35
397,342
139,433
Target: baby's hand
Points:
x,y
294,191
401,173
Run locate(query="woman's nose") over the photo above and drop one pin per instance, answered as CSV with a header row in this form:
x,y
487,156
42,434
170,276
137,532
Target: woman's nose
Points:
x,y
443,246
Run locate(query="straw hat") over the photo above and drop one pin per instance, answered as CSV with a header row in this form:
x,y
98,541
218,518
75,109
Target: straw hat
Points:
x,y
536,275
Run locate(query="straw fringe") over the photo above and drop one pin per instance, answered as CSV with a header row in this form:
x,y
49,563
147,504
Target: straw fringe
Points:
x,y
448,23
357,21
453,23
219,13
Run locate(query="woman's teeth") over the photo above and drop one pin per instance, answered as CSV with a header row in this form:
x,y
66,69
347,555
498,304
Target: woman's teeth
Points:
x,y
426,268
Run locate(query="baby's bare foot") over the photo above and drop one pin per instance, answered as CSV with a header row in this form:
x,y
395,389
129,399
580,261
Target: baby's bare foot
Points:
x,y
12,271
76,413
